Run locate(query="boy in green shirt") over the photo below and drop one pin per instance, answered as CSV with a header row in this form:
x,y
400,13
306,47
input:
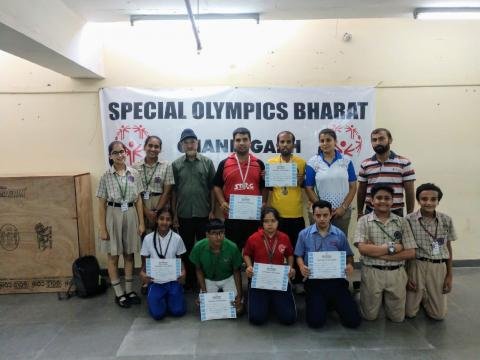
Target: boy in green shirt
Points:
x,y
217,262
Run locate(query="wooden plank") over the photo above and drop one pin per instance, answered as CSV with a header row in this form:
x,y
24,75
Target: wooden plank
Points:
x,y
86,236
38,233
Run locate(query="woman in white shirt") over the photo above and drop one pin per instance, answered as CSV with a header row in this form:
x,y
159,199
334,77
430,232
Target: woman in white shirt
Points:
x,y
330,176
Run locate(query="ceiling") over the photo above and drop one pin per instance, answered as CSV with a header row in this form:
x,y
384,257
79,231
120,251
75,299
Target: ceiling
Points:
x,y
120,10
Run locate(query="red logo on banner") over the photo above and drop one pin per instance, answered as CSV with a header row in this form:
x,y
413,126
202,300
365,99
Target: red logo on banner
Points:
x,y
349,140
135,140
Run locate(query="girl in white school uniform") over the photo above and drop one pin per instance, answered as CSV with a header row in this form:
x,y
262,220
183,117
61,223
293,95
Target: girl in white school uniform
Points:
x,y
121,220
164,297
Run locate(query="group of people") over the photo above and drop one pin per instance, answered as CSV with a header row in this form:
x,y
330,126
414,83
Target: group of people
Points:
x,y
406,261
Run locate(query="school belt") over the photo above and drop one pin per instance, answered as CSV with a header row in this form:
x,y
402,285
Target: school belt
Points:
x,y
114,204
380,267
153,193
435,261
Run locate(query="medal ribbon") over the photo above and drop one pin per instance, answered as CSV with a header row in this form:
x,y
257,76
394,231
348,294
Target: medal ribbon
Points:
x,y
244,178
270,250
147,183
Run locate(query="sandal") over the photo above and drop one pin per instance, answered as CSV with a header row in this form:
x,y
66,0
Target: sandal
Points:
x,y
122,301
133,298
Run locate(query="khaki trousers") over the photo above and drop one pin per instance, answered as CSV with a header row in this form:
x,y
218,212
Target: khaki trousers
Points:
x,y
429,278
386,285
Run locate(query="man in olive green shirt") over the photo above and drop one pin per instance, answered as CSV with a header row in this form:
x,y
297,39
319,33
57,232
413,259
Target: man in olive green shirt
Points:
x,y
192,198
217,261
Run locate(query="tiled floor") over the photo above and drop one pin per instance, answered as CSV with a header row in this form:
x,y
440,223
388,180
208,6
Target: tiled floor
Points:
x,y
41,327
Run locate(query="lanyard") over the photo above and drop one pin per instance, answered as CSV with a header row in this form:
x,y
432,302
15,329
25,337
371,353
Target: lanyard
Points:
x,y
384,231
147,183
434,237
160,254
270,250
244,178
123,192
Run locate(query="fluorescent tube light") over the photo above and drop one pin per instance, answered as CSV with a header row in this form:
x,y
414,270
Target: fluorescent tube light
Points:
x,y
447,13
252,16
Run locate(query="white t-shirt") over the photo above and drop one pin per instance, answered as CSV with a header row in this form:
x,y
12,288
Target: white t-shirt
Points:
x,y
170,251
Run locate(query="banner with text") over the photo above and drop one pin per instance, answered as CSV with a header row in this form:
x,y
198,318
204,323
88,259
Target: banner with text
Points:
x,y
131,114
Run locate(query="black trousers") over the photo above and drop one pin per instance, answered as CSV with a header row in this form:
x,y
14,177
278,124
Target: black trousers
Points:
x,y
239,231
191,230
323,294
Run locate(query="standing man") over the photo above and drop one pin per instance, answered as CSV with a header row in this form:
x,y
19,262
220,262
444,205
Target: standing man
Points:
x,y
193,197
240,174
387,168
385,241
288,199
324,293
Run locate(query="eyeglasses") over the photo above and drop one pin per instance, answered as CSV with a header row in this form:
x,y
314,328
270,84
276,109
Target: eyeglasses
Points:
x,y
116,153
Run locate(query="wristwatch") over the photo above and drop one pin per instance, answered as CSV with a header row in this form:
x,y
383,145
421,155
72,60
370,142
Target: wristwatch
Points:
x,y
391,248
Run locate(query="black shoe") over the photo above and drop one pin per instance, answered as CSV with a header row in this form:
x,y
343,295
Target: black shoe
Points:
x,y
122,301
133,298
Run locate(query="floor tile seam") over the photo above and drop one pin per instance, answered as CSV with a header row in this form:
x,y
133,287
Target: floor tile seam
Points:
x,y
42,350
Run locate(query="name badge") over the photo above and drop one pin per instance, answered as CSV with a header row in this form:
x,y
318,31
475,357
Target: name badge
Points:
x,y
124,206
435,248
146,195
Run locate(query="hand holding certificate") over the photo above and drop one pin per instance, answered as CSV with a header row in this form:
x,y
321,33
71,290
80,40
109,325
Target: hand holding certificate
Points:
x,y
218,305
270,277
327,264
283,174
245,207
163,270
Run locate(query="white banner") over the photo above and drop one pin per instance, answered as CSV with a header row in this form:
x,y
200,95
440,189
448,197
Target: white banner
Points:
x,y
131,114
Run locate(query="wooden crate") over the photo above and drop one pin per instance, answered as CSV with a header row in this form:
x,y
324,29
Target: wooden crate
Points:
x,y
46,222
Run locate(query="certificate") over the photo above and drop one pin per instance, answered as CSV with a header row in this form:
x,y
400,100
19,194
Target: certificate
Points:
x,y
218,305
245,207
163,270
327,264
283,174
270,277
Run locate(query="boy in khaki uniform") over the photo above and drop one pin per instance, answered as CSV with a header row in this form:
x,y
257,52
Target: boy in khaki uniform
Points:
x,y
430,274
385,241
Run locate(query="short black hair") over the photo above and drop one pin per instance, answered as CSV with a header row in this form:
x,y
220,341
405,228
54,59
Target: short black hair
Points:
x,y
329,132
242,130
150,137
286,132
378,130
381,186
167,209
269,210
215,224
426,187
322,204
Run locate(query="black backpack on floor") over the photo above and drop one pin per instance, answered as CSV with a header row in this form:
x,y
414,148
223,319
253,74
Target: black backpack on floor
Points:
x,y
86,278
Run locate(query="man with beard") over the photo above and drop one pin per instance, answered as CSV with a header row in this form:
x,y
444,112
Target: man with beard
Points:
x,y
239,174
288,199
387,168
193,199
